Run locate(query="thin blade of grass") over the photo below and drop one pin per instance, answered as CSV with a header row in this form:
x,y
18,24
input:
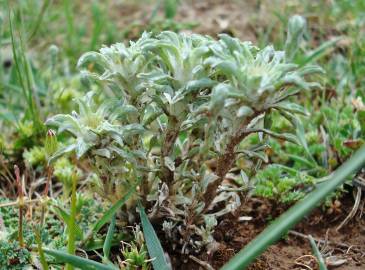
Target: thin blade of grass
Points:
x,y
71,237
154,247
42,257
98,25
170,8
95,244
17,61
63,215
111,212
82,263
108,240
320,51
317,253
24,72
40,17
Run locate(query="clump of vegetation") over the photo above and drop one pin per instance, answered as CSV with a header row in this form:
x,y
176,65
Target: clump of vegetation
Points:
x,y
278,183
183,125
169,105
12,256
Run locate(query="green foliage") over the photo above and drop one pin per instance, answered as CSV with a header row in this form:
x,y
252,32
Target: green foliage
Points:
x,y
153,243
165,105
79,262
136,257
333,133
135,254
296,213
282,185
165,110
35,156
13,257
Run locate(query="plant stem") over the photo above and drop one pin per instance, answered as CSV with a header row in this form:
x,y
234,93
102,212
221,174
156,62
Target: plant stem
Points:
x,y
71,247
169,139
226,161
45,194
42,257
21,205
68,9
317,253
17,203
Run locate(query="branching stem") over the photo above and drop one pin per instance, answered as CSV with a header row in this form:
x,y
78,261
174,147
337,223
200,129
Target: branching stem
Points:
x,y
170,137
227,159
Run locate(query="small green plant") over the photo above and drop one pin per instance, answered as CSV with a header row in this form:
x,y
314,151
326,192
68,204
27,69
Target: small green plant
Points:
x,y
135,254
167,105
285,186
13,256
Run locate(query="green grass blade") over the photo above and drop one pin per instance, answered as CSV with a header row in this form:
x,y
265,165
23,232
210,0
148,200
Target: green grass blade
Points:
x,y
108,240
24,72
63,215
111,212
40,17
42,257
94,244
291,217
17,61
317,253
170,8
76,261
319,52
153,243
71,29
98,24
71,237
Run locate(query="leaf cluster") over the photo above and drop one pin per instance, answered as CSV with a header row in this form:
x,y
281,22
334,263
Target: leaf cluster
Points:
x,y
171,112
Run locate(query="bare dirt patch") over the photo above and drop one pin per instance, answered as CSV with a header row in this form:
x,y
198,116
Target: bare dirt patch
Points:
x,y
347,247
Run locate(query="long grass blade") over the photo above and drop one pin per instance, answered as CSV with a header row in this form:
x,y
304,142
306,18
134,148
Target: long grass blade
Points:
x,y
40,17
63,215
108,240
170,8
24,73
111,212
154,247
319,52
42,257
76,261
317,253
71,239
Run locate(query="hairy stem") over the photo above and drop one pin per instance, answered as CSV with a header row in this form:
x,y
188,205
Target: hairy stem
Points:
x,y
227,159
170,137
45,194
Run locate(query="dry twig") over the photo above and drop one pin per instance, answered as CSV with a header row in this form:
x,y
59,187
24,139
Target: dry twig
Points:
x,y
353,210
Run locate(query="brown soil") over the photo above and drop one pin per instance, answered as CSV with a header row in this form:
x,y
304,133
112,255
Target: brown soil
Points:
x,y
242,19
347,245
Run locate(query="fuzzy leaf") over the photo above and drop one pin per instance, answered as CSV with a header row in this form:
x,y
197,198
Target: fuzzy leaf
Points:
x,y
291,107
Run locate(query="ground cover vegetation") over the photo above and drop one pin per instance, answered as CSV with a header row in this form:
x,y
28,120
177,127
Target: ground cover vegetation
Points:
x,y
127,143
